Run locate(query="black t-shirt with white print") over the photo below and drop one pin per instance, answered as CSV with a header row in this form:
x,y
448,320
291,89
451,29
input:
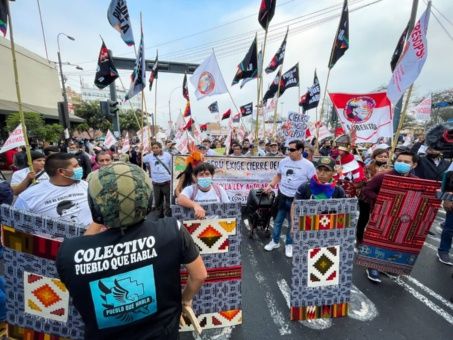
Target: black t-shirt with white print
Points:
x,y
128,286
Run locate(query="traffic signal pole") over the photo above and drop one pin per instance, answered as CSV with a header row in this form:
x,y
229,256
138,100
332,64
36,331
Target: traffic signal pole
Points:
x,y
115,117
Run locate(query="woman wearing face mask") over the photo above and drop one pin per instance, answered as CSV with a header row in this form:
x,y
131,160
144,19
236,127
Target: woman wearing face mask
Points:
x,y
203,192
405,162
379,163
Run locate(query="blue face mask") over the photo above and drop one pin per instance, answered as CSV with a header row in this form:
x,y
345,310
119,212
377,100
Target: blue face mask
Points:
x,y
77,174
205,182
402,168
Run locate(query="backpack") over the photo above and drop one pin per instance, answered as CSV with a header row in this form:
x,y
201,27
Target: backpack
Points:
x,y
216,189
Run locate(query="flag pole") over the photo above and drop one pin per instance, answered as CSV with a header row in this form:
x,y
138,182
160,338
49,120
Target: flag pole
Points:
x,y
16,78
143,128
155,111
274,126
300,107
400,123
258,85
320,114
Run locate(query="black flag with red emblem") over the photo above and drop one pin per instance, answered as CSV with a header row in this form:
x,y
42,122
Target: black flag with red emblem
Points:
x,y
278,58
266,13
226,114
153,74
310,99
272,90
248,68
247,109
341,42
204,127
289,79
399,49
106,72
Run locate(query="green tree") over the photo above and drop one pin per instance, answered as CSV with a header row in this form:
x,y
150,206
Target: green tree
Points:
x,y
128,121
36,126
94,119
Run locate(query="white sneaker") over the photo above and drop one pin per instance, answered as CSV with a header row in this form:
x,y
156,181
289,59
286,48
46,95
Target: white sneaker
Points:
x,y
289,250
271,246
247,225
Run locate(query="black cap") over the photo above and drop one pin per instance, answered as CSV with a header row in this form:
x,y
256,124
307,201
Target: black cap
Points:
x,y
37,155
326,162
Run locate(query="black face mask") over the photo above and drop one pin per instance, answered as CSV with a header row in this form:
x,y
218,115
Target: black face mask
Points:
x,y
380,163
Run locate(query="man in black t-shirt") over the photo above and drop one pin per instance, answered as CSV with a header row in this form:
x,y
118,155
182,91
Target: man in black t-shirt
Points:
x,y
124,276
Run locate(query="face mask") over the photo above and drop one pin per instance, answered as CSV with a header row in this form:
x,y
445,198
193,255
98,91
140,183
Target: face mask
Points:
x,y
402,168
72,151
205,182
379,163
77,174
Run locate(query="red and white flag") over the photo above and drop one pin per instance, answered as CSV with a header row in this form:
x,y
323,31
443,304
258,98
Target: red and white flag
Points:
x,y
207,78
369,115
15,139
423,110
109,139
412,60
126,144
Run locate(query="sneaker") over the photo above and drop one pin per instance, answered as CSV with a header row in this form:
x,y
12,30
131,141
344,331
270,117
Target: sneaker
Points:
x,y
271,246
289,250
373,275
445,258
247,225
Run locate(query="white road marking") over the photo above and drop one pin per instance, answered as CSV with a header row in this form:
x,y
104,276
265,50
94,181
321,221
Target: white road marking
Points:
x,y
360,306
277,316
422,298
313,324
429,291
437,239
215,334
430,246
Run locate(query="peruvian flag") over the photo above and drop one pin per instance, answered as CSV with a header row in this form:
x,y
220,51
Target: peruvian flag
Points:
x,y
368,115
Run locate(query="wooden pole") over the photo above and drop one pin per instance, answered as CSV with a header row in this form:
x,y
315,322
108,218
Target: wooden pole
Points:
x,y
16,78
155,111
259,103
320,114
274,127
143,128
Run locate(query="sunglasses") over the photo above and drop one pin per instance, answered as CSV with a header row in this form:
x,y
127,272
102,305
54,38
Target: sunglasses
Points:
x,y
292,150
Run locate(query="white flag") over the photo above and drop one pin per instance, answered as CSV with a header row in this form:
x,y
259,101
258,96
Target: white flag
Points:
x,y
138,77
109,139
207,78
126,144
15,139
412,60
118,16
423,110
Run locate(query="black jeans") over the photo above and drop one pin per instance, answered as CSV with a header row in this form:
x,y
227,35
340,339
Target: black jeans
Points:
x,y
162,198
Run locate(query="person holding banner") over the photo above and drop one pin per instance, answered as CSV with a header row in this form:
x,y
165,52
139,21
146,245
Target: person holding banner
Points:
x,y
203,192
293,171
22,179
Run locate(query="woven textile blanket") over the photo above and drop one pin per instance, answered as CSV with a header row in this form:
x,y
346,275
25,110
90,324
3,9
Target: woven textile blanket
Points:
x,y
323,252
218,237
38,305
401,218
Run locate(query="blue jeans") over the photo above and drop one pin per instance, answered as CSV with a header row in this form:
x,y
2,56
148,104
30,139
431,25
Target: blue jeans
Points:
x,y
447,234
284,209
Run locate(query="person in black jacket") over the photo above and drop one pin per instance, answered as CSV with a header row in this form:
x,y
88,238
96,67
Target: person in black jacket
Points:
x,y
431,166
82,157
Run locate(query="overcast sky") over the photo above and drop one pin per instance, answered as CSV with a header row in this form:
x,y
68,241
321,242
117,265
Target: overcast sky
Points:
x,y
186,31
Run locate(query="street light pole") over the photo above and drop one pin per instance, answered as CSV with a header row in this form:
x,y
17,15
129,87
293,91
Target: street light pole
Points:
x,y
65,118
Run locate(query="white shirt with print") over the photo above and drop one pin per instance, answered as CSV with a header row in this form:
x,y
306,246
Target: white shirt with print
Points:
x,y
67,203
207,197
294,174
19,176
158,172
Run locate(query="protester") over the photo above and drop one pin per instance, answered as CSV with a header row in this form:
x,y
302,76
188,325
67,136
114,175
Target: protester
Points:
x,y
103,159
77,149
293,171
237,150
140,296
447,227
6,193
159,164
63,196
379,163
431,166
404,164
186,178
273,150
418,143
207,144
20,159
22,179
203,192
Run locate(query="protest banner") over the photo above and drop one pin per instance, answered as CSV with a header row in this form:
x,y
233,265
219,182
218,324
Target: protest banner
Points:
x,y
237,175
422,111
15,139
295,126
110,139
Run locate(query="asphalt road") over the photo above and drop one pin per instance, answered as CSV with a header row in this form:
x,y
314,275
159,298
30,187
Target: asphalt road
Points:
x,y
408,307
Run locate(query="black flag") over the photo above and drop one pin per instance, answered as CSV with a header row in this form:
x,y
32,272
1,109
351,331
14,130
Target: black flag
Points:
x,y
272,90
277,60
341,42
310,99
247,109
248,68
214,107
266,13
399,49
106,72
289,79
154,71
3,16
185,89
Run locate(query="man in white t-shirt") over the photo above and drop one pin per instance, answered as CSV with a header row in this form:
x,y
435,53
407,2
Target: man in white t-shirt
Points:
x,y
209,152
64,196
293,171
159,165
22,179
203,192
